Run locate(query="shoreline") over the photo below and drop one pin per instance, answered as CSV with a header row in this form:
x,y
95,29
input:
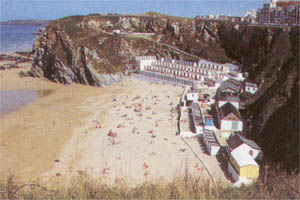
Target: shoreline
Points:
x,y
14,52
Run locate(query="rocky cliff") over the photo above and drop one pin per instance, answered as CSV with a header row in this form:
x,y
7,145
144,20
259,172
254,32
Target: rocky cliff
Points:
x,y
83,49
271,56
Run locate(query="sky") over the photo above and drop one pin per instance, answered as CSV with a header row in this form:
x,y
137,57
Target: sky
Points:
x,y
45,9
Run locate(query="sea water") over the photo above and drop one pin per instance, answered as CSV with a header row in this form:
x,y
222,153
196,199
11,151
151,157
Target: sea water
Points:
x,y
16,38
14,100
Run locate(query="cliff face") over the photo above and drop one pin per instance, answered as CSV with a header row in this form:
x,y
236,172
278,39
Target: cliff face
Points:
x,y
82,49
271,56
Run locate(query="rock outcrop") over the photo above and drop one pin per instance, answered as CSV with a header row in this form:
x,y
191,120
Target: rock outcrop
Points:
x,y
59,59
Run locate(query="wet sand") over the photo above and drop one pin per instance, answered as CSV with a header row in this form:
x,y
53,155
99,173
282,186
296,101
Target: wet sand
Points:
x,y
14,100
32,137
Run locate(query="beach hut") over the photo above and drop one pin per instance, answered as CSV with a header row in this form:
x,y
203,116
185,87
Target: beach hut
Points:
x,y
197,119
250,87
242,168
209,123
237,142
229,118
210,142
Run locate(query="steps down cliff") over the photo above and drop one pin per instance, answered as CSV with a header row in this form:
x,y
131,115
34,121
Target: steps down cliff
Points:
x,y
85,49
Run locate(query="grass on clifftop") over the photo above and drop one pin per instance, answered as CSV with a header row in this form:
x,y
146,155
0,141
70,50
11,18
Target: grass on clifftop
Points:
x,y
186,187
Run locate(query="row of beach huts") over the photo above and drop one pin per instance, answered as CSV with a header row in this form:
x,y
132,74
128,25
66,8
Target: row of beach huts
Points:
x,y
224,121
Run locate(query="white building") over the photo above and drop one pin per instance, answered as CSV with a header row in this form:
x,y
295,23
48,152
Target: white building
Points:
x,y
250,87
145,61
192,95
251,13
229,118
239,143
210,142
186,72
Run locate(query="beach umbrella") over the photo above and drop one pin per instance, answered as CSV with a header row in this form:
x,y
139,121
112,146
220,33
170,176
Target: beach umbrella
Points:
x,y
112,134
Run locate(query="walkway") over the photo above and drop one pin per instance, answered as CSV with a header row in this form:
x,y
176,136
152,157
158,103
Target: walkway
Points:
x,y
178,50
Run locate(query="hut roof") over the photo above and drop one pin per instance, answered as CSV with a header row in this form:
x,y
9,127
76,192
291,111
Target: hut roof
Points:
x,y
227,109
196,114
223,96
210,136
237,139
243,159
230,84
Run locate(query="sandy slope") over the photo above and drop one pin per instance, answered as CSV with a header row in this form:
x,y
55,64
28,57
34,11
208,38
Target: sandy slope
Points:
x,y
56,137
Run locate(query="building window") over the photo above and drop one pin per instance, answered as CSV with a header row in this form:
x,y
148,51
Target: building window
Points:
x,y
235,125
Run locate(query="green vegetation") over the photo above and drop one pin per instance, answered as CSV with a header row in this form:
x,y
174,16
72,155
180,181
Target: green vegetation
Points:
x,y
188,187
155,14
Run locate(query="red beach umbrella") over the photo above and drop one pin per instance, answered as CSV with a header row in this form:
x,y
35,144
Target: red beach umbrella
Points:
x,y
112,134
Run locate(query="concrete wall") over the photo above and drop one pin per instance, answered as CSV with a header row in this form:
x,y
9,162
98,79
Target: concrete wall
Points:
x,y
187,134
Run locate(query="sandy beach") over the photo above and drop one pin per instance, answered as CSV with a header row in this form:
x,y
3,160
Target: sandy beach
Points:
x,y
125,131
